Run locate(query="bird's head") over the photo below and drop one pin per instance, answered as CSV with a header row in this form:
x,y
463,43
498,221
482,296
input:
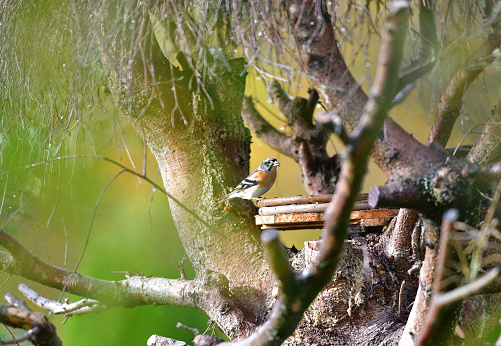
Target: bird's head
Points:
x,y
268,164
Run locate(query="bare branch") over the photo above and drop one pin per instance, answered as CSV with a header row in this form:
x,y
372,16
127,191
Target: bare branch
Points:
x,y
193,330
334,123
396,152
467,290
367,131
278,261
307,145
265,131
134,291
180,267
399,237
298,111
84,306
452,183
279,97
436,319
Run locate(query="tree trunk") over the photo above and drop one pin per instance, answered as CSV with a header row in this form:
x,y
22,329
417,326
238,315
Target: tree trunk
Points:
x,y
202,148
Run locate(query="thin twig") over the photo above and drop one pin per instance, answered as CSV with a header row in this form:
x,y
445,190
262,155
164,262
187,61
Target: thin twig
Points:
x,y
193,330
467,290
128,170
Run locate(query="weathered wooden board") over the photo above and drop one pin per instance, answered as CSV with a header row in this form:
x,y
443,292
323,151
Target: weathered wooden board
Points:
x,y
280,201
367,218
305,208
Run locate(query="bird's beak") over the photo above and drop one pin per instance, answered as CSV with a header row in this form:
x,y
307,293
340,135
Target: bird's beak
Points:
x,y
276,163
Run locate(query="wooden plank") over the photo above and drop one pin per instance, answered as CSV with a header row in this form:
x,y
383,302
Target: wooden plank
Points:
x,y
284,219
293,227
273,202
293,209
368,218
305,208
301,217
373,214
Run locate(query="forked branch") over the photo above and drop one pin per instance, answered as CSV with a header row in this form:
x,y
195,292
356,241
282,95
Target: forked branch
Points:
x,y
307,145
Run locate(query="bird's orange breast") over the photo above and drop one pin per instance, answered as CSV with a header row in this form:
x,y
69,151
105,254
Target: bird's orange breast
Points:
x,y
269,178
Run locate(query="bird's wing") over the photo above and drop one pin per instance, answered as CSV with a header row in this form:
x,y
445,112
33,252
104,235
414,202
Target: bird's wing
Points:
x,y
244,185
247,183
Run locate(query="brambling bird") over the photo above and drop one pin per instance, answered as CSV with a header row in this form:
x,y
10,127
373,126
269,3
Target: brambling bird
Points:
x,y
257,183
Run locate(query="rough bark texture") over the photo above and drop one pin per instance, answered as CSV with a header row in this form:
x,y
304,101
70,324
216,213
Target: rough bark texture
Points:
x,y
361,304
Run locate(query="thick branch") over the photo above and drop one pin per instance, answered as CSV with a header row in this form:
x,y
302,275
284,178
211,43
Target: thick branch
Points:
x,y
318,171
366,133
450,184
194,127
440,320
396,152
399,235
334,123
279,262
279,97
134,291
307,145
299,111
426,276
